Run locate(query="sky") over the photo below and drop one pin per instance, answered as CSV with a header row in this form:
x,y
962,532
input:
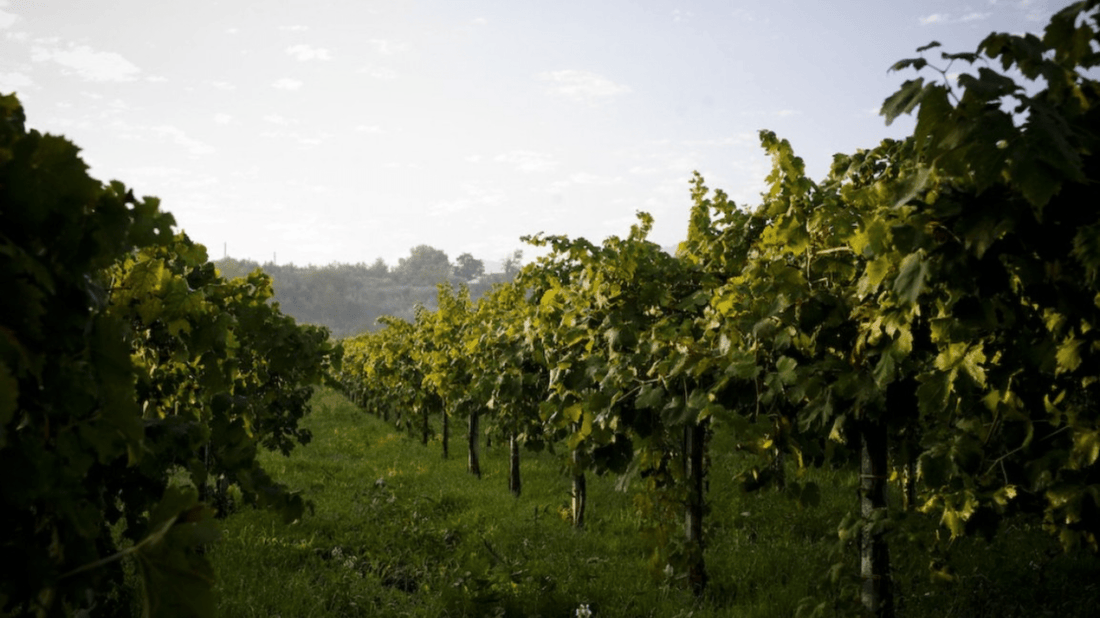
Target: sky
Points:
x,y
321,131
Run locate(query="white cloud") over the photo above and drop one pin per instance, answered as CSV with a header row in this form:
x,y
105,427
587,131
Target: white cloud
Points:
x,y
528,160
65,124
682,164
974,16
178,137
277,119
252,172
584,179
362,128
168,177
155,171
784,113
387,47
232,30
1037,14
223,118
616,225
746,16
7,19
304,52
380,72
90,65
17,36
476,195
740,138
119,105
287,84
451,206
484,195
222,85
156,79
297,28
311,187
582,85
681,16
479,21
14,81
948,18
302,139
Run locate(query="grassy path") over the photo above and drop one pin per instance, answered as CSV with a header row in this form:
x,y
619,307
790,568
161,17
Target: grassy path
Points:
x,y
398,531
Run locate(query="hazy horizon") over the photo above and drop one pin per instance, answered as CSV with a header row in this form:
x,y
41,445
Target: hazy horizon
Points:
x,y
316,133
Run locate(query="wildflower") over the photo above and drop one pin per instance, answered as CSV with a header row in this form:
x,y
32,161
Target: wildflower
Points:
x,y
583,611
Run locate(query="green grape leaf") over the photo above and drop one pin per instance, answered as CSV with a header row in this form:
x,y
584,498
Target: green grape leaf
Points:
x,y
1069,355
933,393
1086,249
885,370
904,100
650,397
179,581
1086,449
916,63
910,282
574,412
970,57
785,368
874,273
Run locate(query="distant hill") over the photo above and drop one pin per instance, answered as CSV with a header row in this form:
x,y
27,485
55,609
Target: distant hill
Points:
x,y
348,299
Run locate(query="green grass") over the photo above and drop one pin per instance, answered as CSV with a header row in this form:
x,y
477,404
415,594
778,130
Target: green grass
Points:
x,y
398,531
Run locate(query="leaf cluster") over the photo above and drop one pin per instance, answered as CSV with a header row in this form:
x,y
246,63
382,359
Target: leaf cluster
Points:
x,y
124,361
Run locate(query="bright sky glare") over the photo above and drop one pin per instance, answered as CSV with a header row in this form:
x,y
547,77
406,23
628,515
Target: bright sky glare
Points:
x,y
324,131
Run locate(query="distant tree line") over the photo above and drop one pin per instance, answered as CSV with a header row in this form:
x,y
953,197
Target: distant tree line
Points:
x,y
349,298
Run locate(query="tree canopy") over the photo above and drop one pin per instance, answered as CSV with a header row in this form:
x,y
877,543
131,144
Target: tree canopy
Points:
x,y
425,266
468,268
